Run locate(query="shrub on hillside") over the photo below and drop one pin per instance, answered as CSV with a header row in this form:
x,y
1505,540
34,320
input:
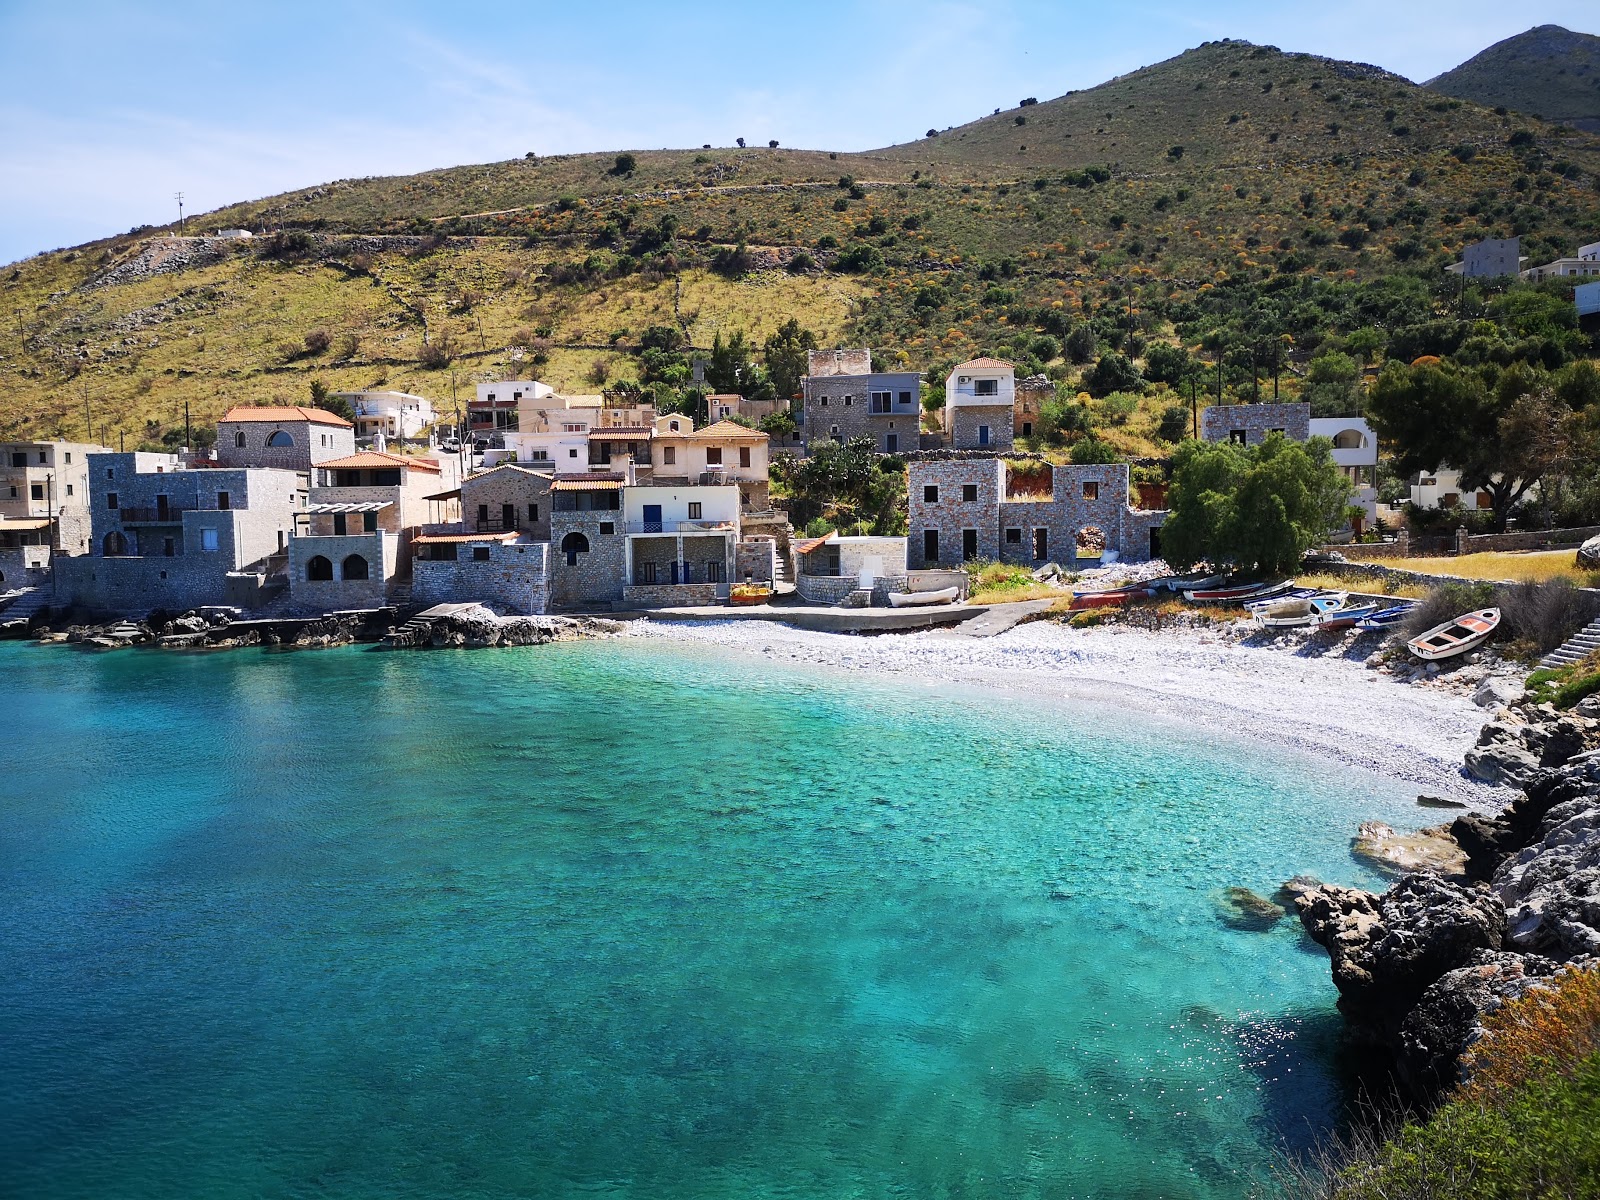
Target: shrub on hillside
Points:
x,y
1545,614
1113,373
1447,602
318,340
1175,423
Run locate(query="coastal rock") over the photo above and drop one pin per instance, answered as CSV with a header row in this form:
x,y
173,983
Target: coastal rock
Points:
x,y
1511,752
1431,850
1439,802
1489,841
1448,1017
1589,554
1243,909
1551,887
1497,692
1386,950
1291,890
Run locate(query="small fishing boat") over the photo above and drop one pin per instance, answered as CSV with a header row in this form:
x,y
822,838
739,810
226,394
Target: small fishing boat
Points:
x,y
1386,618
1290,594
1234,594
1466,632
1185,583
1087,600
1300,611
1347,617
910,599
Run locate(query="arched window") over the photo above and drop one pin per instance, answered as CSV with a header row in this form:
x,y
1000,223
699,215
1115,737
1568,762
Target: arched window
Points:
x,y
1349,439
115,544
573,545
318,569
354,567
280,438
238,439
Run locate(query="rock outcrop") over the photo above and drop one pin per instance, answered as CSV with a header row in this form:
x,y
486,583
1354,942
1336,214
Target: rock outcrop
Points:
x,y
476,627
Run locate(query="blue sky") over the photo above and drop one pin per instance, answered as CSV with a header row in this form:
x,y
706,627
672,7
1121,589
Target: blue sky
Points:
x,y
107,109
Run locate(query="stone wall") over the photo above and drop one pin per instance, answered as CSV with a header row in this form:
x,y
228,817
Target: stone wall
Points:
x,y
133,587
1257,420
515,578
964,422
754,560
667,595
598,575
380,552
528,494
24,566
312,443
949,514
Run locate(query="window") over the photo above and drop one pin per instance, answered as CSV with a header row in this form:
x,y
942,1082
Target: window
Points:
x,y
669,456
208,540
43,458
891,443
969,493
111,472
713,456
1091,490
571,427
69,457
985,387
879,402
713,572
573,453
1027,429
1236,436
13,491
1013,537
483,515
533,512
355,567
608,526
19,458
744,456
480,554
111,500
833,432
369,522
573,545
224,501
673,425
647,572
905,397
340,526
930,545
930,493
824,402
37,491
969,544
280,438
983,435
694,510
238,440
69,489
848,401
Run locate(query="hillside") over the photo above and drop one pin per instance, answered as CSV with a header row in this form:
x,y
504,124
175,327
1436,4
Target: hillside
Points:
x,y
1290,165
1549,70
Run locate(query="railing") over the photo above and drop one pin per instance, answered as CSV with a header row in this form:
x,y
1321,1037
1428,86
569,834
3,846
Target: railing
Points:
x,y
170,515
679,526
496,525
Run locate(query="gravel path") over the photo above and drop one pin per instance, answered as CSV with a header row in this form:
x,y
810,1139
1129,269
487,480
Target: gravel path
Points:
x,y
1326,703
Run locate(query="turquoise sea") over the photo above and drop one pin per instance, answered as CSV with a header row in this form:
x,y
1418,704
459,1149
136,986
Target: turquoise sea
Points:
x,y
629,919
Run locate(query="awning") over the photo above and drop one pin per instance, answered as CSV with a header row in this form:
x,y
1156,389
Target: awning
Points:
x,y
621,433
23,524
354,506
453,494
585,485
807,545
444,539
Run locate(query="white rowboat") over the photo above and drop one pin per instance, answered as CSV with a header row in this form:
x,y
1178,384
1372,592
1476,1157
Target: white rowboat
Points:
x,y
1465,633
910,599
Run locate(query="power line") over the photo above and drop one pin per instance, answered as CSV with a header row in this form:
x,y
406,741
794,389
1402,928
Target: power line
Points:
x,y
180,211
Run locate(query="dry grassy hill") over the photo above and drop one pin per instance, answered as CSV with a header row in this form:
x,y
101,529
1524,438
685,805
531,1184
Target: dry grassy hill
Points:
x,y
1549,70
1290,164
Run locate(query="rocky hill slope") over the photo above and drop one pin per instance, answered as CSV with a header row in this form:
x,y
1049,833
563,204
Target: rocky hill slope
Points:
x,y
1230,161
1548,70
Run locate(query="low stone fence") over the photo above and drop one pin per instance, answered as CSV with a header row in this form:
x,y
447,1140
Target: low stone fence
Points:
x,y
669,595
824,589
1391,576
1462,542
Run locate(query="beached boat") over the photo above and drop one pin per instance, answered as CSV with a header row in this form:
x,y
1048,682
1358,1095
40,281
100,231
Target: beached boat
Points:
x,y
1466,632
1186,583
1235,594
1112,599
947,595
1387,618
1347,616
1300,611
1280,597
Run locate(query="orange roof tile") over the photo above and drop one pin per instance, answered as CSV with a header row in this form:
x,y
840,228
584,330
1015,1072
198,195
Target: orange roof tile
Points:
x,y
587,481
278,413
379,460
985,364
721,431
440,539
807,545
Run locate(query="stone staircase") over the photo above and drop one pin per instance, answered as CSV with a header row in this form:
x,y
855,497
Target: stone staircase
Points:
x,y
1582,644
22,604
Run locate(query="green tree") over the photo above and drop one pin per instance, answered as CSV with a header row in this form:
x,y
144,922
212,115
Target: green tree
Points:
x,y
625,164
1081,344
1175,423
1331,385
1113,373
1168,364
1436,415
779,425
1091,451
1258,509
730,370
785,354
846,483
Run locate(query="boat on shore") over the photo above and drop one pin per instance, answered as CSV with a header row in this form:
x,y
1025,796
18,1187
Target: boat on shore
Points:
x,y
1299,611
1347,616
1236,593
912,599
1281,597
1386,618
1083,601
1466,632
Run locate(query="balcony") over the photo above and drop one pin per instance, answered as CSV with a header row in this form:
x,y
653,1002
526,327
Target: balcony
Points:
x,y
170,514
676,527
497,525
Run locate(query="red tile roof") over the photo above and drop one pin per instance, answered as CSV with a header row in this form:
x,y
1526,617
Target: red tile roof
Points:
x,y
440,539
807,545
587,481
381,460
721,431
277,414
985,364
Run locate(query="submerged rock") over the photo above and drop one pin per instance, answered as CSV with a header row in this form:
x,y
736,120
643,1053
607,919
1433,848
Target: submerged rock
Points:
x,y
1439,802
1243,909
1291,890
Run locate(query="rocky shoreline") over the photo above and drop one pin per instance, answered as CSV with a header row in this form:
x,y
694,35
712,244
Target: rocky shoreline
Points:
x,y
1491,905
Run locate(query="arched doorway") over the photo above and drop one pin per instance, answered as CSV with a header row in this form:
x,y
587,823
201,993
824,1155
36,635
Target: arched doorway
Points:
x,y
354,567
1091,541
280,438
115,545
573,545
319,569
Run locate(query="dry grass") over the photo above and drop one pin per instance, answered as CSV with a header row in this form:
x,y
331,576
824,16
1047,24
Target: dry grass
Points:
x,y
1011,595
1370,584
1538,565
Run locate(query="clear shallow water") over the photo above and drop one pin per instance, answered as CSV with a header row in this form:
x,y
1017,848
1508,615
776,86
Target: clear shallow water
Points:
x,y
612,919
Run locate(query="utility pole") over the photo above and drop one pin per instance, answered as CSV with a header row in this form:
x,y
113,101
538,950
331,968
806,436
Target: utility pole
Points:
x,y
1219,376
1277,348
1255,377
180,212
1194,405
88,419
187,445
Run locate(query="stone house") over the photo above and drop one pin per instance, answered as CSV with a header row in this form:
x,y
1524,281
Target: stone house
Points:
x,y
1249,424
170,537
980,405
831,567
966,509
588,545
1490,258
844,398
1032,394
289,437
44,508
722,453
353,543
505,499
681,542
510,572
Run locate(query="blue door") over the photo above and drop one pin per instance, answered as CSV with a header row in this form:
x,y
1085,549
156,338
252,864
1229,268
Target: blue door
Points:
x,y
652,519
